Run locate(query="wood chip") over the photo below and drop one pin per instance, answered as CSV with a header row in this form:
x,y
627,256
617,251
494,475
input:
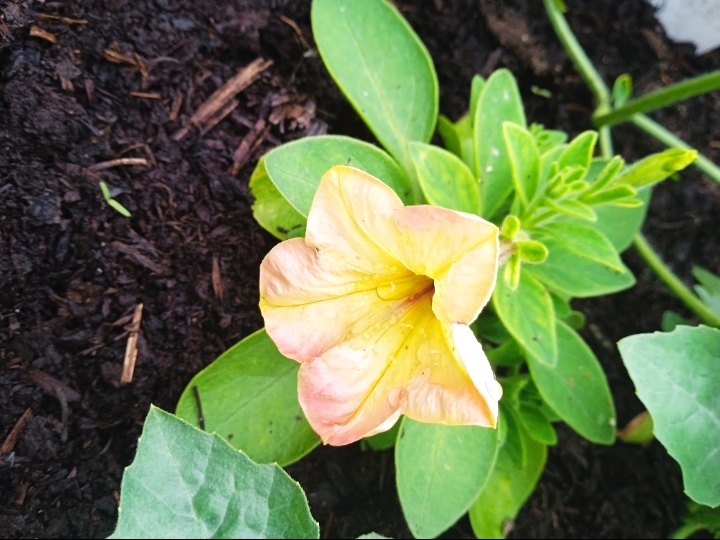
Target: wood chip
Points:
x,y
216,118
131,349
119,58
217,278
132,253
12,437
219,99
116,163
66,20
146,95
36,31
175,108
249,144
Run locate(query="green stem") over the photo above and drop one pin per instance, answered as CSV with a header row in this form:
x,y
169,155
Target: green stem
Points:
x,y
606,146
577,55
670,139
667,276
662,98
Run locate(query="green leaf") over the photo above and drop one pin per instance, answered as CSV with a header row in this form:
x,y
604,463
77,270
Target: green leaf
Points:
x,y
440,471
499,102
536,424
372,536
576,388
638,431
458,138
271,210
510,227
581,262
384,440
249,397
609,196
548,159
620,225
476,87
119,208
449,135
709,288
488,327
579,152
532,251
445,180
382,67
671,320
297,167
524,162
506,491
698,518
547,139
657,167
528,314
622,89
105,191
507,354
188,484
573,208
512,451
677,378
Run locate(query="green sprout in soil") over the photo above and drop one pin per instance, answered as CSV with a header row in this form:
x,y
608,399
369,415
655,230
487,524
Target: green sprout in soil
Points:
x,y
112,202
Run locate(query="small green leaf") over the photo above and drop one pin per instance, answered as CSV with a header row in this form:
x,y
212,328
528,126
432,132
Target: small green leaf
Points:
x,y
382,67
657,167
105,191
671,320
488,327
532,251
373,536
476,87
510,227
609,196
547,139
537,425
506,491
271,210
528,314
622,89
500,102
639,430
579,152
384,440
297,167
573,208
581,262
119,208
440,472
620,225
512,387
512,448
185,483
548,162
676,376
508,354
607,174
249,397
524,161
449,135
576,387
445,180
709,288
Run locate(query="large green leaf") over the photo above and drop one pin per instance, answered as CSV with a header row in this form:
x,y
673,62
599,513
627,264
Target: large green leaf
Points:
x,y
499,102
188,484
507,489
581,261
445,180
576,388
271,210
249,397
382,67
297,167
440,471
528,314
677,376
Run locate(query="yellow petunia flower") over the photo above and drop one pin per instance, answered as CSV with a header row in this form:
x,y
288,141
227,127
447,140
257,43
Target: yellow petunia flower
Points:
x,y
375,302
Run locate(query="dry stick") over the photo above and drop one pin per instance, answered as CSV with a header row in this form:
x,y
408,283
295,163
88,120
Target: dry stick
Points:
x,y
36,31
118,58
117,162
217,278
224,94
146,95
131,349
66,20
12,437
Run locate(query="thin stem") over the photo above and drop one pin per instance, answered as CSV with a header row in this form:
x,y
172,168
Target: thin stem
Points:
x,y
577,55
667,276
606,146
670,139
661,98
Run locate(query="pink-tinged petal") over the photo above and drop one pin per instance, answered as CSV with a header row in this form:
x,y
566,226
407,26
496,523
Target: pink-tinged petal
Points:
x,y
456,385
359,387
311,301
351,217
457,250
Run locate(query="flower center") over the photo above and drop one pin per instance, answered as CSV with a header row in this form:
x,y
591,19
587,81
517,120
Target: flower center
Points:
x,y
411,287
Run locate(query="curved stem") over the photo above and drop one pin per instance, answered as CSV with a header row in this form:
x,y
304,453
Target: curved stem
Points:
x,y
680,290
661,98
577,55
668,138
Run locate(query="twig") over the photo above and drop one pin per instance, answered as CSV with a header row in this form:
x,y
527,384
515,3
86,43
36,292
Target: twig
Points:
x,y
12,437
146,95
117,162
66,20
224,94
201,416
131,349
118,58
36,31
217,278
292,24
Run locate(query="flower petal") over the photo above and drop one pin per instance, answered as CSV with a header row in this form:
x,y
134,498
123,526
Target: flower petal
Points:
x,y
351,217
312,302
456,385
359,387
459,251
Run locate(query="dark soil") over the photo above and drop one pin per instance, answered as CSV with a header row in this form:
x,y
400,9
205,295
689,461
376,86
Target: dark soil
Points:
x,y
72,270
